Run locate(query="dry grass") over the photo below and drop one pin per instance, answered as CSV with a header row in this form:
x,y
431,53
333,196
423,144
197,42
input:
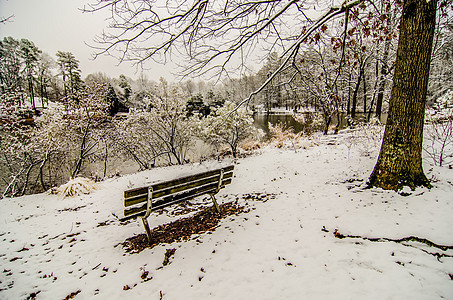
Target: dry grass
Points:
x,y
281,136
75,187
251,145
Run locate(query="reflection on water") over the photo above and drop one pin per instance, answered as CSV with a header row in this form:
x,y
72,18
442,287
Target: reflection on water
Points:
x,y
262,121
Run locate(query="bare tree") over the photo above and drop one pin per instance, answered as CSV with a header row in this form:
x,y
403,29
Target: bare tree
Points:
x,y
216,36
441,75
45,76
241,25
160,135
15,160
384,67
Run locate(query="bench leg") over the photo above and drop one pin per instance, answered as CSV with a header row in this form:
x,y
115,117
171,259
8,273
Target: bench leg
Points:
x,y
215,203
148,231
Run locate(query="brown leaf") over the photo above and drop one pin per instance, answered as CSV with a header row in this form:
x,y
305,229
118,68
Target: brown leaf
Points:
x,y
317,36
144,275
182,229
72,295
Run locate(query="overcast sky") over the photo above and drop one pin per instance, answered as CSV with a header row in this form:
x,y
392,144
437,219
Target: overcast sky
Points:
x,y
60,25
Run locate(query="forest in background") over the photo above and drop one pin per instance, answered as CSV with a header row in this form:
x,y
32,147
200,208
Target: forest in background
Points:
x,y
56,125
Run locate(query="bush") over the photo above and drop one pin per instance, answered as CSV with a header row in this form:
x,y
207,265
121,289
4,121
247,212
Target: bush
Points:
x,y
229,125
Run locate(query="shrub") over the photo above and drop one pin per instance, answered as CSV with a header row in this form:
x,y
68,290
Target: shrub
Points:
x,y
229,125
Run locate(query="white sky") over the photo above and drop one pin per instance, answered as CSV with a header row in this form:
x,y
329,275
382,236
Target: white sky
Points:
x,y
60,25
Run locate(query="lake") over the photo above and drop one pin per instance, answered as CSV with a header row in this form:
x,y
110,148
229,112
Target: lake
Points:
x,y
262,121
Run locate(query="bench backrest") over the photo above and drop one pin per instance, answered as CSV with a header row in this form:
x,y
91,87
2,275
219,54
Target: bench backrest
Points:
x,y
173,191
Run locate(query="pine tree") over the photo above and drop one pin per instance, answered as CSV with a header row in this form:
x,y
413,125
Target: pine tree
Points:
x,y
124,84
70,72
30,55
112,101
10,65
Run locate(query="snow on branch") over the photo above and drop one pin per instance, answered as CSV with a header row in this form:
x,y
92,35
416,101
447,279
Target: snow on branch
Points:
x,y
293,50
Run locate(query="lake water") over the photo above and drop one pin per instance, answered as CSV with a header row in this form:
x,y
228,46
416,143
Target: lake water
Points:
x,y
262,121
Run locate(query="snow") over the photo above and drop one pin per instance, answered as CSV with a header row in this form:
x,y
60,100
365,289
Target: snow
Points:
x,y
54,247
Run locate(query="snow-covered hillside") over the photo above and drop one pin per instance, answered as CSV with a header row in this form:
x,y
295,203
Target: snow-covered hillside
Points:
x,y
283,248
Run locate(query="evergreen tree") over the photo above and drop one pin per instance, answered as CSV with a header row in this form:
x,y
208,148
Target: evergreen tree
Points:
x,y
30,56
124,84
10,65
112,101
70,72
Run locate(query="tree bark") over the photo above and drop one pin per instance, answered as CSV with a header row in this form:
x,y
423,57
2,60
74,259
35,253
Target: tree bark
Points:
x,y
400,159
348,112
356,91
364,97
32,93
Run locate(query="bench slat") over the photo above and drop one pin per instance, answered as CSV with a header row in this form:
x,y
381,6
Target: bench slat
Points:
x,y
188,185
205,189
171,183
176,189
195,192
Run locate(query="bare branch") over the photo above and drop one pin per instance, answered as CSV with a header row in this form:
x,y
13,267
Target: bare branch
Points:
x,y
334,11
7,19
207,32
343,46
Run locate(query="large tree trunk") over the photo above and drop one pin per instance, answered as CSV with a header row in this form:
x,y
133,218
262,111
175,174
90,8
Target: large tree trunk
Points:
x,y
400,159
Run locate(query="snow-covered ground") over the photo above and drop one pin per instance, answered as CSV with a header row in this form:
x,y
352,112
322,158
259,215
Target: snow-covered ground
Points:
x,y
52,248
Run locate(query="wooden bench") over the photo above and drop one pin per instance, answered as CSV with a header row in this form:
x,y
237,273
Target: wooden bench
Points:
x,y
140,202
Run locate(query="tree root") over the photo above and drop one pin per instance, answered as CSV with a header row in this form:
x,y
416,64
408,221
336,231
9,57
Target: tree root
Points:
x,y
438,255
